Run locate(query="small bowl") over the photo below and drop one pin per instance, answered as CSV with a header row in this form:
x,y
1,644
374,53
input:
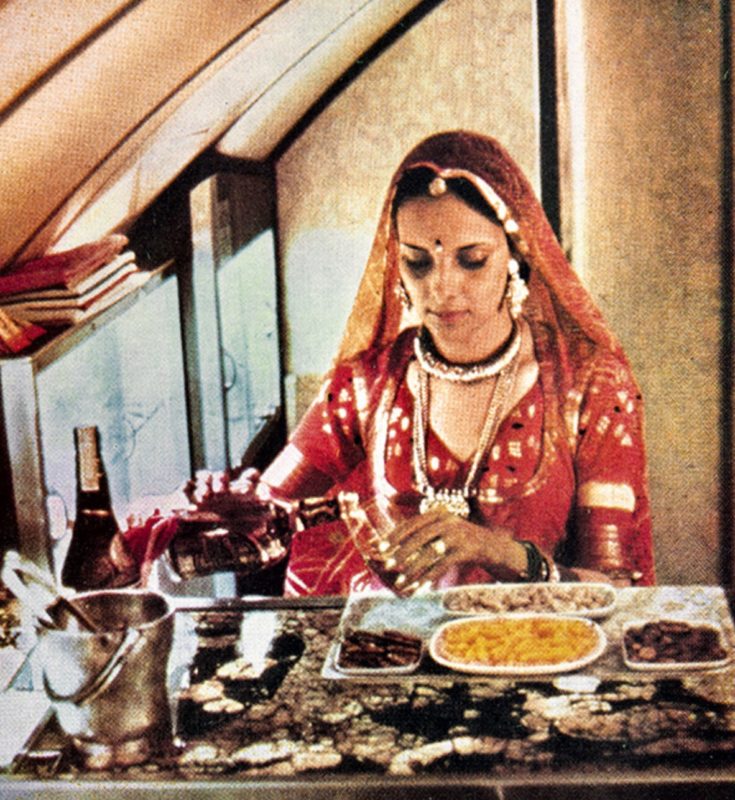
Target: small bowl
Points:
x,y
388,669
478,668
497,598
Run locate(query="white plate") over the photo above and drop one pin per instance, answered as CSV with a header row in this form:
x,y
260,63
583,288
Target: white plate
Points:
x,y
515,669
658,666
500,596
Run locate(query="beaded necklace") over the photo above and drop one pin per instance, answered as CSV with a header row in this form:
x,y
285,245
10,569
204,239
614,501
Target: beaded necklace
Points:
x,y
457,501
434,364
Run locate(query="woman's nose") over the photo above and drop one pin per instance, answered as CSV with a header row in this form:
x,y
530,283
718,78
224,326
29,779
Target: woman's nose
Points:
x,y
446,279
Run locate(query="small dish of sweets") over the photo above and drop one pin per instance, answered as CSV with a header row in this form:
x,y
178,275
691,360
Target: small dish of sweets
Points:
x,y
371,652
673,644
517,644
576,599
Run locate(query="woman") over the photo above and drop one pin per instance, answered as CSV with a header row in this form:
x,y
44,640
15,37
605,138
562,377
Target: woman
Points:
x,y
477,392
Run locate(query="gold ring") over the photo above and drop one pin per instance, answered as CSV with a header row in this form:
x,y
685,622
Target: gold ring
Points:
x,y
439,546
418,587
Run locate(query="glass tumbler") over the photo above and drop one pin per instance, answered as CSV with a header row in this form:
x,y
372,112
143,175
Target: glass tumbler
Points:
x,y
370,522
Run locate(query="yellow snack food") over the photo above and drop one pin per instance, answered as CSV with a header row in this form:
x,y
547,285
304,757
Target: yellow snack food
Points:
x,y
532,641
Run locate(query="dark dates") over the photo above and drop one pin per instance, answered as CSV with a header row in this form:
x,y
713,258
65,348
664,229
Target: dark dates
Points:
x,y
361,649
673,642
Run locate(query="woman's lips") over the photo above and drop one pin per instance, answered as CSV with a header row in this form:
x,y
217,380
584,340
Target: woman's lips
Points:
x,y
449,317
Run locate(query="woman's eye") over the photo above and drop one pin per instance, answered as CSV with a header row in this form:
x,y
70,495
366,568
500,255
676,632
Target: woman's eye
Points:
x,y
418,266
472,262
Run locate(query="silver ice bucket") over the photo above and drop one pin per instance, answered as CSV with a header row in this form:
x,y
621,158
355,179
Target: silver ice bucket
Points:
x,y
109,688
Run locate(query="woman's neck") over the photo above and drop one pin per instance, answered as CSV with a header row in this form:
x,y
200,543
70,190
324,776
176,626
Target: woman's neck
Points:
x,y
474,352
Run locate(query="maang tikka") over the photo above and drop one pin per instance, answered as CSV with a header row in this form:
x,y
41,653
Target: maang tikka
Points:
x,y
517,291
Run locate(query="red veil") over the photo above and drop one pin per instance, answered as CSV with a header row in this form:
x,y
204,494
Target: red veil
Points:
x,y
559,308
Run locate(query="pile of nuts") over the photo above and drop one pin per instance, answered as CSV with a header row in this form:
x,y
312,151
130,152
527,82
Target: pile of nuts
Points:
x,y
360,649
673,642
534,597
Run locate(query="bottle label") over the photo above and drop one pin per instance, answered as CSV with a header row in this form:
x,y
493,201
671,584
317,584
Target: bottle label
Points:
x,y
89,473
315,511
198,550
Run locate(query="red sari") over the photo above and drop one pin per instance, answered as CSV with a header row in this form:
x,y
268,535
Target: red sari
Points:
x,y
567,468
569,495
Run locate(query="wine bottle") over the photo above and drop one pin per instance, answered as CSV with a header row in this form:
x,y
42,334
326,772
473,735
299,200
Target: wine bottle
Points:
x,y
256,538
88,564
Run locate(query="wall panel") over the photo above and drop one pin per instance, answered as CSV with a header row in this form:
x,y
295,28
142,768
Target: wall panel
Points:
x,y
644,136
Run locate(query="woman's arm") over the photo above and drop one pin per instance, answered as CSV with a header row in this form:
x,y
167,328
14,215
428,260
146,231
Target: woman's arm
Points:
x,y
611,526
323,449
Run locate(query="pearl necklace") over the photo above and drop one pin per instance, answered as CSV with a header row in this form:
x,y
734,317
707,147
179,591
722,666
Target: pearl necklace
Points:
x,y
431,362
457,501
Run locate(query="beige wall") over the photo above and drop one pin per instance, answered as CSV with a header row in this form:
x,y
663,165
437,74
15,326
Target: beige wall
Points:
x,y
646,237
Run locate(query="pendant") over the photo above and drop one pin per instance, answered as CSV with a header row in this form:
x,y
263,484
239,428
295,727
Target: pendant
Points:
x,y
453,502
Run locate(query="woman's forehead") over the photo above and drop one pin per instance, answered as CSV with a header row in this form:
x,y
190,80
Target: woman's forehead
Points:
x,y
425,218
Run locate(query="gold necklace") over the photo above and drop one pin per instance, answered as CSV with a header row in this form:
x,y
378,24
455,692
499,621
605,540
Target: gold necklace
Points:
x,y
457,501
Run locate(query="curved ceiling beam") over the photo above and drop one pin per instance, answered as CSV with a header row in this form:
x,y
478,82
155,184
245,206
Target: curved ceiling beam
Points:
x,y
116,182
80,112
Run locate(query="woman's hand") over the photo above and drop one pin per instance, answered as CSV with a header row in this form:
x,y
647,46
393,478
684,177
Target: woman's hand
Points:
x,y
218,493
153,522
435,545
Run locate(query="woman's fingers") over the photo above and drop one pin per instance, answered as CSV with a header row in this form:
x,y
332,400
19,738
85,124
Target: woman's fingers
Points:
x,y
426,548
221,492
420,549
432,537
414,533
425,569
246,482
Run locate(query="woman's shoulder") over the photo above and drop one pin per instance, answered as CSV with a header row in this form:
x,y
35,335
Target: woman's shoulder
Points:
x,y
381,359
607,373
606,364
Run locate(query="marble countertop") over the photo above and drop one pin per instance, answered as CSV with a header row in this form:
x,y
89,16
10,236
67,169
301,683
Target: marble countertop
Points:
x,y
288,720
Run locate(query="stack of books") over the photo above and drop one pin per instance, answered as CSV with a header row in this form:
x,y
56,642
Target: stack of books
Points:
x,y
17,335
69,287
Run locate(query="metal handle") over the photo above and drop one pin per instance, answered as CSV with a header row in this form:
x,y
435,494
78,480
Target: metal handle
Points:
x,y
25,579
96,685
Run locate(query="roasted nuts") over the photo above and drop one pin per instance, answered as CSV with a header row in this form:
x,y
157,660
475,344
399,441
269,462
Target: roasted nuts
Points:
x,y
536,598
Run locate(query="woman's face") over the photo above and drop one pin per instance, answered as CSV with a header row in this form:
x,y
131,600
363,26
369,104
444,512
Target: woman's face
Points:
x,y
454,265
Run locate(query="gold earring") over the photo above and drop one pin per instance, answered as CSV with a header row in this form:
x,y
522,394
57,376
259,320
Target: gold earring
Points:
x,y
517,291
403,295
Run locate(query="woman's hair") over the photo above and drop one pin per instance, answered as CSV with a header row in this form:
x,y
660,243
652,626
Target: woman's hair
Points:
x,y
414,183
